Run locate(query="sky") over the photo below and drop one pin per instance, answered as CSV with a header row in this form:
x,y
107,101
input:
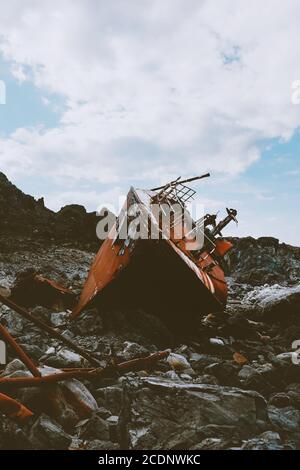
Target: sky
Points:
x,y
103,95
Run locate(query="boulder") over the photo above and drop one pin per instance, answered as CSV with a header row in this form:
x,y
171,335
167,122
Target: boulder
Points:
x,y
276,303
48,434
153,413
94,428
269,440
65,358
284,419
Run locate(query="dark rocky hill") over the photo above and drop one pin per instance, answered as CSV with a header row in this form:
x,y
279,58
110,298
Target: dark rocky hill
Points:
x,y
263,261
26,220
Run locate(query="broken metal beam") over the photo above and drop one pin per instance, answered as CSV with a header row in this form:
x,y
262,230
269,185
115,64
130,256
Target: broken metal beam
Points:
x,y
19,351
51,331
128,366
177,181
13,409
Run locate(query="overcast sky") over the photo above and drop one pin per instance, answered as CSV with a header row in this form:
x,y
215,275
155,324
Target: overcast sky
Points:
x,y
104,94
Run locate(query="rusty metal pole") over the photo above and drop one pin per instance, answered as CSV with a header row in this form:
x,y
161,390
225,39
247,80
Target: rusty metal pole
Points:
x,y
19,351
45,379
51,331
12,408
128,366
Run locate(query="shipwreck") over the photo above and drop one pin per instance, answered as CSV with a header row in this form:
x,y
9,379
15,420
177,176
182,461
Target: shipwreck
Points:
x,y
157,257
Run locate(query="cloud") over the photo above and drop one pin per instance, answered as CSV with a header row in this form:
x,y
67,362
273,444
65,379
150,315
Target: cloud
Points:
x,y
112,199
151,89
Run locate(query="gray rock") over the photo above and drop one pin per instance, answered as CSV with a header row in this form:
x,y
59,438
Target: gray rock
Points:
x,y
292,441
50,351
14,366
280,400
141,437
186,377
212,443
48,434
171,374
114,430
267,441
217,430
12,436
203,360
65,358
97,444
133,350
217,342
206,379
59,318
34,351
264,378
257,261
285,358
5,290
226,372
77,444
276,303
293,392
287,419
80,395
110,398
154,421
89,323
94,428
178,362
247,372
41,313
14,323
103,412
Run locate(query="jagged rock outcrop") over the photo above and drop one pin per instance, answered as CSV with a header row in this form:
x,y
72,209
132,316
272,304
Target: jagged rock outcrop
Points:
x,y
25,220
263,261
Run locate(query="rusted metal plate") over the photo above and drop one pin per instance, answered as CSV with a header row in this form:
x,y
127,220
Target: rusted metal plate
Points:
x,y
34,289
13,409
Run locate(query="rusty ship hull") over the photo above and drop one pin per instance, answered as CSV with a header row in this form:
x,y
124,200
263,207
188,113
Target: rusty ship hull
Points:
x,y
161,276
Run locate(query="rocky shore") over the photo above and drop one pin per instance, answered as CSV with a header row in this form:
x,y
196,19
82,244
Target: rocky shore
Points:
x,y
232,384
